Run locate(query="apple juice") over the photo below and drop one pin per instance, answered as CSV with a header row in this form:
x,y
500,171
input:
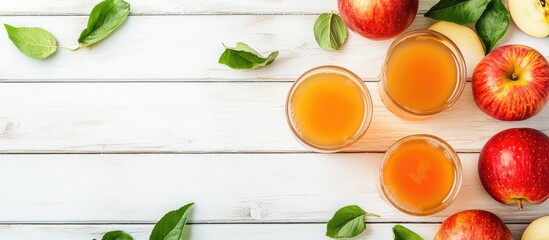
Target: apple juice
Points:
x,y
329,108
424,73
419,174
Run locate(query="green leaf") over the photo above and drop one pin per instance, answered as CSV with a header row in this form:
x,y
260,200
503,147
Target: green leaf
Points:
x,y
171,226
458,11
35,42
330,31
104,18
493,24
347,222
402,233
244,57
117,235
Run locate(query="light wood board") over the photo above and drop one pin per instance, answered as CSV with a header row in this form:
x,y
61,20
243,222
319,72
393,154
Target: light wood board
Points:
x,y
187,48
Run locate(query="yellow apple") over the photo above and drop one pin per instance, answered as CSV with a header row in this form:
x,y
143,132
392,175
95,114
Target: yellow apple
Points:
x,y
531,16
466,40
537,230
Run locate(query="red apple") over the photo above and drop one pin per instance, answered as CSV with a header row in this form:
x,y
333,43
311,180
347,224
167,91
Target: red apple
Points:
x,y
378,19
473,224
512,83
514,166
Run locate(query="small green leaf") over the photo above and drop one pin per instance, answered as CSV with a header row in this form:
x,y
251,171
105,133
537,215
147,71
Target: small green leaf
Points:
x,y
117,235
244,57
458,11
35,42
347,222
493,24
402,233
104,18
330,31
171,226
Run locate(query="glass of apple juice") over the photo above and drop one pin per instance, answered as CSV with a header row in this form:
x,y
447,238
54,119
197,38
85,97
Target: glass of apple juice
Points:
x,y
420,175
328,108
423,74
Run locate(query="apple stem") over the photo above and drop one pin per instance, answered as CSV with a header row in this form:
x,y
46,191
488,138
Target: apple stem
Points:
x,y
542,3
520,203
514,77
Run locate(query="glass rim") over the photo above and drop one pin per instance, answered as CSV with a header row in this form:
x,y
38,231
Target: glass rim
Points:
x,y
366,97
461,70
452,194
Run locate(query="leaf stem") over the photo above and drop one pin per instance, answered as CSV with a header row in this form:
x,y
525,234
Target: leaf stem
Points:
x,y
371,215
69,48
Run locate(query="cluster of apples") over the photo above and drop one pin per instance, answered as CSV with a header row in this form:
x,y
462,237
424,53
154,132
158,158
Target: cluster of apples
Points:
x,y
513,167
384,19
479,224
510,83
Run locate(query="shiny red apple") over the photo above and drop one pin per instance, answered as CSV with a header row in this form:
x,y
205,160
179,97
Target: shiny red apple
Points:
x,y
512,83
513,166
473,224
378,19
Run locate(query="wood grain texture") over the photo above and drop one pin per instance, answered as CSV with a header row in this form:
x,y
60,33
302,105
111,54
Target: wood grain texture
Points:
x,y
203,117
227,188
187,48
216,232
178,7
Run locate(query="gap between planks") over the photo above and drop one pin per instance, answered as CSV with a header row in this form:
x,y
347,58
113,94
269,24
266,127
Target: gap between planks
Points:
x,y
180,14
38,14
219,223
163,80
194,152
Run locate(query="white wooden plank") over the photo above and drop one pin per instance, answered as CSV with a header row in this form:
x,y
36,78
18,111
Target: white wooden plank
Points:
x,y
160,7
202,117
217,231
252,188
182,48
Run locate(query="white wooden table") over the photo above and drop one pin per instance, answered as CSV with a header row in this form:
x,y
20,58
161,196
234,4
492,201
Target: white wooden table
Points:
x,y
115,136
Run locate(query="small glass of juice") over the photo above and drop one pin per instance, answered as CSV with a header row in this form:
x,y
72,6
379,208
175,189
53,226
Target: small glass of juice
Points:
x,y
423,74
328,108
420,175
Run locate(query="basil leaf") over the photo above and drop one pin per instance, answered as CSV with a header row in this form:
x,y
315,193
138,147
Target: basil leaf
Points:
x,y
104,18
347,222
170,227
458,11
35,42
243,56
493,24
117,235
330,31
402,233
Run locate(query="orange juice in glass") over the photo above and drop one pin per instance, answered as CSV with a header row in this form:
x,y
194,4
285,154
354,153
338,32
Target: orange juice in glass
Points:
x,y
328,108
420,175
423,74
